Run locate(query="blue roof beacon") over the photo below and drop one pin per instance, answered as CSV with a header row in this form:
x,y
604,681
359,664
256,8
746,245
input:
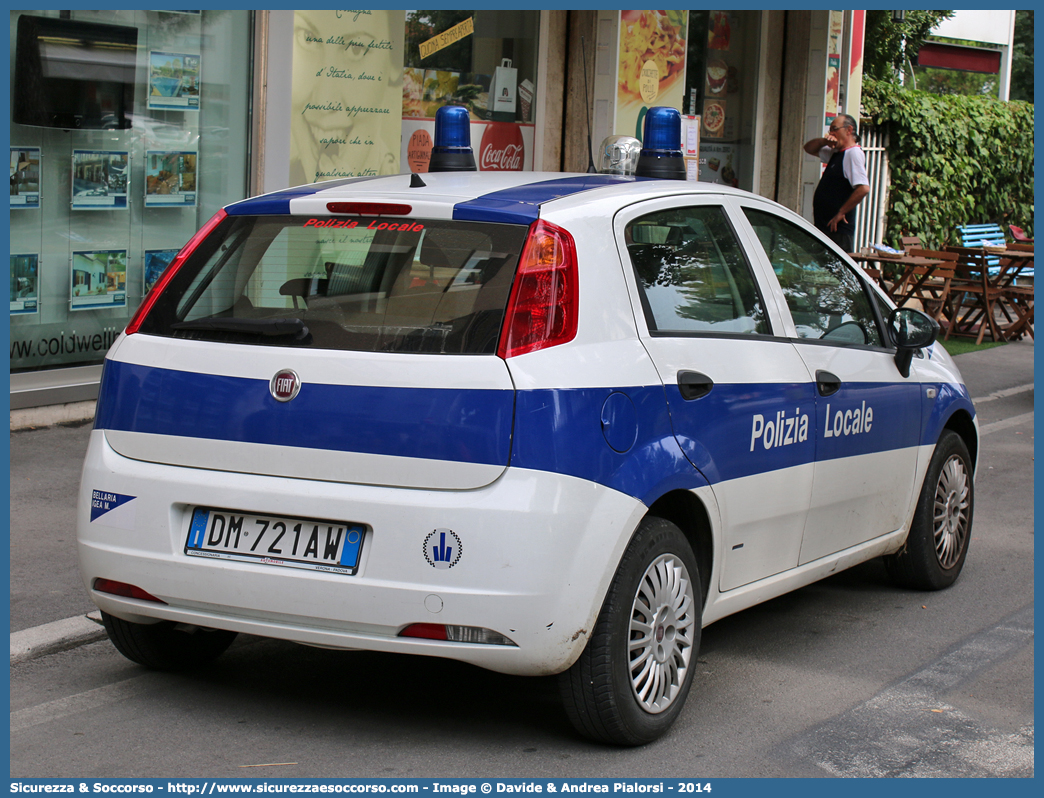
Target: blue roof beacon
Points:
x,y
661,154
452,151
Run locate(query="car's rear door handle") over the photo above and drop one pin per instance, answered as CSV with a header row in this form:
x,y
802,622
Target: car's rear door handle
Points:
x,y
693,385
826,383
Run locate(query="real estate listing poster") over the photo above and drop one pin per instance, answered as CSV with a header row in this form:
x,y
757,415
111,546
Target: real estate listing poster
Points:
x,y
173,81
170,178
156,260
98,279
25,282
25,177
99,180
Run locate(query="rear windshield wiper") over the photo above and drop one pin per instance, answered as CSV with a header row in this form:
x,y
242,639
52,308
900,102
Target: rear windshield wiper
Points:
x,y
294,327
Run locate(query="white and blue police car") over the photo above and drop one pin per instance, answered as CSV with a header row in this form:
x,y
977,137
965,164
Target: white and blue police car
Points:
x,y
541,423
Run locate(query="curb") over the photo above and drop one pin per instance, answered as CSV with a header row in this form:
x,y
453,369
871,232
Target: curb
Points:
x,y
49,415
56,636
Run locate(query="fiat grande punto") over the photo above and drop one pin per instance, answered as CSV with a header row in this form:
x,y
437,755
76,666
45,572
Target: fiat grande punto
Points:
x,y
540,423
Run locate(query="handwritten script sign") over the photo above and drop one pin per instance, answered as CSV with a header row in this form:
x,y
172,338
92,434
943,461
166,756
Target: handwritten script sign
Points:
x,y
346,101
447,37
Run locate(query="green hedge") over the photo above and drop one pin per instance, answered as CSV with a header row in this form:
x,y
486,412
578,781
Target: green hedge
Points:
x,y
954,160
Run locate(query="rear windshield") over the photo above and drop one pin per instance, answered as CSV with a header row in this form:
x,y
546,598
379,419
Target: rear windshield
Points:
x,y
377,285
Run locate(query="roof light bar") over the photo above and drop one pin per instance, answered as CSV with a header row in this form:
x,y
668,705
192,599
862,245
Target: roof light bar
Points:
x,y
452,149
661,154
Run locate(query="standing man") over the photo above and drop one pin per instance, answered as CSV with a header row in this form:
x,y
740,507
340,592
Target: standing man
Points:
x,y
844,182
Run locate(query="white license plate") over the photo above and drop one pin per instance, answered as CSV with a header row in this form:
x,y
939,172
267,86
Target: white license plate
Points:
x,y
331,546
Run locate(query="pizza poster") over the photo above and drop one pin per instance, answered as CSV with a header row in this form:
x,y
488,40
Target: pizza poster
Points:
x,y
651,66
714,110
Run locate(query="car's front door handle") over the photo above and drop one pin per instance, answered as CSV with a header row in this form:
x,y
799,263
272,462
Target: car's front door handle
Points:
x,y
694,385
826,383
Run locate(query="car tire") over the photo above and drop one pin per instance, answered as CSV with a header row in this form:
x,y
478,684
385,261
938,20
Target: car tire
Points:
x,y
937,545
166,646
631,681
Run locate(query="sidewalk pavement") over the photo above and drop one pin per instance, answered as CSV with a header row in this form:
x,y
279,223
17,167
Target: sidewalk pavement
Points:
x,y
50,609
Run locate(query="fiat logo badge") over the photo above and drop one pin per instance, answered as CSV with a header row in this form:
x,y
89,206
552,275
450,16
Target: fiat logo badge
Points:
x,y
285,385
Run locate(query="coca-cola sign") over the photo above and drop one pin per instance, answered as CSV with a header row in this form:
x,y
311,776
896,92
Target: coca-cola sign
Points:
x,y
502,149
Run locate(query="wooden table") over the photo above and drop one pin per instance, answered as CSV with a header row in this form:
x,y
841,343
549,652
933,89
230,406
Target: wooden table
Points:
x,y
907,262
992,291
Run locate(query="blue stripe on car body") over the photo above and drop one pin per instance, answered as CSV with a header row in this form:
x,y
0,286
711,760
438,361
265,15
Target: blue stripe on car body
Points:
x,y
553,430
469,426
521,204
950,398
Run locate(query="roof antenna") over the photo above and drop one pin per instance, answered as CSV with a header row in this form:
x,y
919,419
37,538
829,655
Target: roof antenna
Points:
x,y
587,113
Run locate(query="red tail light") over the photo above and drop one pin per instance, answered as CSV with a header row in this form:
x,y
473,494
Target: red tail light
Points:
x,y
125,590
542,311
429,631
171,270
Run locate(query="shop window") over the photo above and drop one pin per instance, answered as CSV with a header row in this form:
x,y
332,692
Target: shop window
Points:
x,y
721,83
457,57
129,129
485,61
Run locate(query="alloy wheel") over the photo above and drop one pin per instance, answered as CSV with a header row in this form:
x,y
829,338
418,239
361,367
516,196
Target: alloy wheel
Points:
x,y
952,496
661,641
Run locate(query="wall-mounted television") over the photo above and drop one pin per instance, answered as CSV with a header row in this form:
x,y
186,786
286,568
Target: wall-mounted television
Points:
x,y
74,75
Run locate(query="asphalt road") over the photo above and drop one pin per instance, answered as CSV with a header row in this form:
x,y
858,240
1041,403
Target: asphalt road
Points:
x,y
847,677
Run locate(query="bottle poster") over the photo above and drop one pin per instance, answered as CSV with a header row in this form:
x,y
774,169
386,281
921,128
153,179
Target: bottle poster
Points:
x,y
99,279
99,180
173,81
25,284
651,66
170,178
833,84
25,177
346,97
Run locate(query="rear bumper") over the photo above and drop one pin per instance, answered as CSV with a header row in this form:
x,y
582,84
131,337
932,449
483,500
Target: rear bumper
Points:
x,y
537,553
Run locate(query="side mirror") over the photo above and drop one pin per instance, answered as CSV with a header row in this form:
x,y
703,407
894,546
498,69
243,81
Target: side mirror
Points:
x,y
911,330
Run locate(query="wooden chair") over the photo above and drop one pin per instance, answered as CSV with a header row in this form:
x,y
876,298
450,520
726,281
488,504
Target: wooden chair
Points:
x,y
1017,306
977,235
910,242
1017,293
973,299
929,285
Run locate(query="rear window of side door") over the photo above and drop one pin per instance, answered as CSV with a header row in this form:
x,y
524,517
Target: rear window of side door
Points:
x,y
741,403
